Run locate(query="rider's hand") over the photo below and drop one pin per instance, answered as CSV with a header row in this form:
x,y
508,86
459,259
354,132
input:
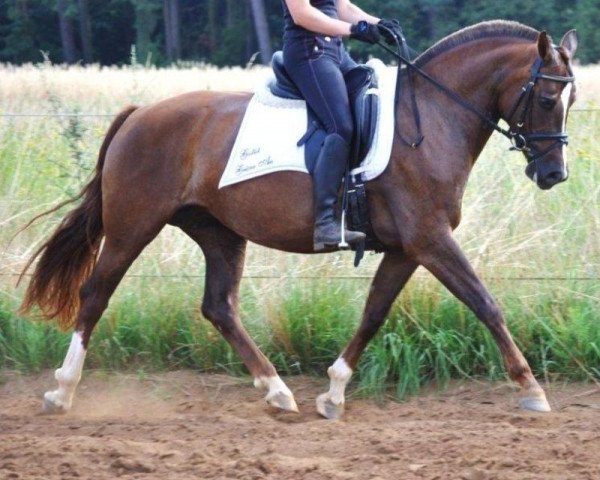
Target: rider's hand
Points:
x,y
390,30
365,32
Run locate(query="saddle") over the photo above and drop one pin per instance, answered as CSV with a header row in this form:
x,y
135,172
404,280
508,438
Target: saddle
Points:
x,y
364,101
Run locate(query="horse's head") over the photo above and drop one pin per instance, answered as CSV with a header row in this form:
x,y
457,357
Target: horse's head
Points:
x,y
538,116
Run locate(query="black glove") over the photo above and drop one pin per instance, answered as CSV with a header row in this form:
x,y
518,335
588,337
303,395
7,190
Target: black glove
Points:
x,y
390,30
365,32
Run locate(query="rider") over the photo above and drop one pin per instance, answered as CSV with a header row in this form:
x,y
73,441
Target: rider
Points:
x,y
315,58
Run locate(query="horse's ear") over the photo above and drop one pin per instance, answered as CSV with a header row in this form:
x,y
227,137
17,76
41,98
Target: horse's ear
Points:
x,y
545,48
569,43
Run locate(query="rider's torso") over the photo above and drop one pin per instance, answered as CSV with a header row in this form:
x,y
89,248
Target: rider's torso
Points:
x,y
293,31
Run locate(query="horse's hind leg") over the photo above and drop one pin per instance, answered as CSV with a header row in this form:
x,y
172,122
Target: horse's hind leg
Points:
x,y
224,252
117,255
394,271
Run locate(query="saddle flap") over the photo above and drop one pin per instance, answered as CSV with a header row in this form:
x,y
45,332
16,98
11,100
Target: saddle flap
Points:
x,y
361,85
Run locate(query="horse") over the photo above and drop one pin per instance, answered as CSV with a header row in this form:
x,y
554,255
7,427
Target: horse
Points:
x,y
161,164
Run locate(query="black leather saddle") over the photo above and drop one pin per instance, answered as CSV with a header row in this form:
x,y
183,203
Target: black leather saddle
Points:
x,y
365,108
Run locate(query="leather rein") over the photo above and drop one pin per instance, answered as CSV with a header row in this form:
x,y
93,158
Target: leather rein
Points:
x,y
520,140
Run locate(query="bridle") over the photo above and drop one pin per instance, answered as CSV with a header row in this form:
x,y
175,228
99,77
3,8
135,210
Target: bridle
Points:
x,y
520,140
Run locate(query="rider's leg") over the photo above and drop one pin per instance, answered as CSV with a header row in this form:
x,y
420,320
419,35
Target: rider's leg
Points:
x,y
314,65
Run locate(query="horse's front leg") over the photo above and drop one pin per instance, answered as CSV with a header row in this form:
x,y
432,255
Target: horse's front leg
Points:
x,y
394,271
444,259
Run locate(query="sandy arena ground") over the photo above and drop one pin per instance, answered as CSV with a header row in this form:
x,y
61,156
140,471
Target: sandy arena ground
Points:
x,y
182,425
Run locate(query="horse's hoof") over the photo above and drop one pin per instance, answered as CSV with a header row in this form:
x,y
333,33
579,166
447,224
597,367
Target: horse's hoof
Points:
x,y
52,406
283,401
536,402
328,409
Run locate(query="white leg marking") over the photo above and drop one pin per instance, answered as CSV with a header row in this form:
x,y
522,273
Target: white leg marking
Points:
x,y
331,404
565,96
68,377
340,374
279,395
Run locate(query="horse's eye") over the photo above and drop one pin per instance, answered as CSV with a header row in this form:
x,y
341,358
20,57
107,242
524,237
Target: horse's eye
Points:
x,y
547,103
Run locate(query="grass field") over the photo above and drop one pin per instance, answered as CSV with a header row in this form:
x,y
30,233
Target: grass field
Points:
x,y
539,253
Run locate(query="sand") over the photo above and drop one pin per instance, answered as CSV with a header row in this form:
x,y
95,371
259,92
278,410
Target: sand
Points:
x,y
182,425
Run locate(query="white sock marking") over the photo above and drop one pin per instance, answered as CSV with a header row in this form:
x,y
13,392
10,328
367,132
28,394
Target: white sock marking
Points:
x,y
340,374
274,384
69,374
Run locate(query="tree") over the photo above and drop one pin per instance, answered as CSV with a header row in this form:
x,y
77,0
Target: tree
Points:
x,y
147,15
587,22
228,32
172,29
261,28
85,31
67,36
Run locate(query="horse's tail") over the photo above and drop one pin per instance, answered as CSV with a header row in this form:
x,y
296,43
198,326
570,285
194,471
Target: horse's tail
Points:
x,y
69,255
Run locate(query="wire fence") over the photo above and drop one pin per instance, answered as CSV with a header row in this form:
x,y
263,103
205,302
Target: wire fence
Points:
x,y
361,277
342,277
104,115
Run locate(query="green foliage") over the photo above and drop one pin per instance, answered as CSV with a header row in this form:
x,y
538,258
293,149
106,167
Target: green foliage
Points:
x,y
221,32
26,29
587,21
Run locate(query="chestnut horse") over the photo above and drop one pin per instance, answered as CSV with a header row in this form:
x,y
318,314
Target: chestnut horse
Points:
x,y
161,164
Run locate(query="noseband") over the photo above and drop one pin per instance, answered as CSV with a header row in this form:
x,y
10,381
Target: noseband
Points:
x,y
522,141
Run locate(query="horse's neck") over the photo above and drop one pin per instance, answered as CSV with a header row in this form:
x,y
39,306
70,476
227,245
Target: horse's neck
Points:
x,y
477,75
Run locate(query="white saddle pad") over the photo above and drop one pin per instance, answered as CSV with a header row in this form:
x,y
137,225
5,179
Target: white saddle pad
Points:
x,y
272,126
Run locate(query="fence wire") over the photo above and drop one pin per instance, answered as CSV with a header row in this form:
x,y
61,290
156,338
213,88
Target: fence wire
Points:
x,y
110,115
341,277
283,277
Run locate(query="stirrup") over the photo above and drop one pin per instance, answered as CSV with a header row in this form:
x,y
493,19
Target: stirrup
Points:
x,y
343,245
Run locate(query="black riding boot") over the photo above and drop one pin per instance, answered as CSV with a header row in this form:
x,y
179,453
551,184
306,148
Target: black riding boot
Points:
x,y
328,174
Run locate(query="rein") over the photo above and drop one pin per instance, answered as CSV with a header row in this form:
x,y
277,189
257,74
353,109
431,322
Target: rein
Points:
x,y
520,141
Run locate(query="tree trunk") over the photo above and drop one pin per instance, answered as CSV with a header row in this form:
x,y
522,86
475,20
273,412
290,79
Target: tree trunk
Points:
x,y
229,19
262,30
67,37
431,24
172,29
147,15
85,30
176,27
212,24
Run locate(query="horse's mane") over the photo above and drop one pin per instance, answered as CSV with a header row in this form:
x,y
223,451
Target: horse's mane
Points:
x,y
494,28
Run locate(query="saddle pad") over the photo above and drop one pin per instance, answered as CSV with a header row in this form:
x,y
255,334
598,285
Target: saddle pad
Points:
x,y
268,136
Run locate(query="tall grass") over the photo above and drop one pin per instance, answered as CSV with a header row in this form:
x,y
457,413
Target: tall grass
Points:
x,y
429,336
510,231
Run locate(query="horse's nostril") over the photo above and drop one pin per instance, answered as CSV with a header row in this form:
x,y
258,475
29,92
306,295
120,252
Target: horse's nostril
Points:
x,y
555,176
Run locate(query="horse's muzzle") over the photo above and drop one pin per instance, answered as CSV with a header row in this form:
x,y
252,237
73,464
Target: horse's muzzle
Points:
x,y
546,179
